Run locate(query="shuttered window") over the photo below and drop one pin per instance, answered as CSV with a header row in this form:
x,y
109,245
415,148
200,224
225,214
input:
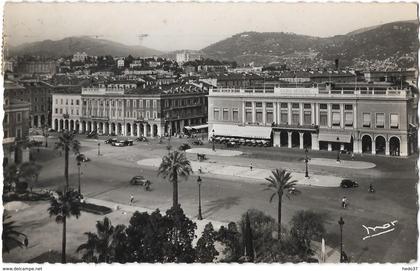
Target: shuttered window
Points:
x,y
380,120
336,119
366,119
349,119
395,121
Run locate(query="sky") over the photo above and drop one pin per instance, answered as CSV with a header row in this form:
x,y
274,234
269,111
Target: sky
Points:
x,y
176,26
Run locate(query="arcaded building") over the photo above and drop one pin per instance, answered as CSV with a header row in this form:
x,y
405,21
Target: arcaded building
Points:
x,y
128,110
363,118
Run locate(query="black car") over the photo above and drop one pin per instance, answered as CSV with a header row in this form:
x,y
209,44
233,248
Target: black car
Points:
x,y
128,142
110,140
347,183
141,139
82,158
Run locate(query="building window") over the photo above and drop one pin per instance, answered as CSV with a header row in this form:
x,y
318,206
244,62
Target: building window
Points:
x,y
67,101
348,122
140,103
348,107
18,133
323,106
56,110
336,119
258,104
307,106
336,107
77,111
71,102
366,119
61,101
154,115
72,111
248,116
323,119
259,116
269,117
154,103
283,105
19,117
283,117
295,105
307,118
295,118
61,111
216,114
56,101
147,115
269,105
394,121
380,120
77,102
225,114
235,115
147,103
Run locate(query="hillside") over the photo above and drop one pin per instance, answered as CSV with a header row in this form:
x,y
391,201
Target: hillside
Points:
x,y
394,41
71,45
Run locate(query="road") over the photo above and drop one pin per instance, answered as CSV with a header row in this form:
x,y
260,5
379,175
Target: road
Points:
x,y
107,177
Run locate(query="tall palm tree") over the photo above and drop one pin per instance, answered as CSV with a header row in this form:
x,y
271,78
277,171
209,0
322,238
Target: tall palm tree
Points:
x,y
173,166
67,204
67,142
104,245
10,235
280,183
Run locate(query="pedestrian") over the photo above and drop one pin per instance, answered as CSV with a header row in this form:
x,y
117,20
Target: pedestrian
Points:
x,y
131,199
250,166
344,202
352,156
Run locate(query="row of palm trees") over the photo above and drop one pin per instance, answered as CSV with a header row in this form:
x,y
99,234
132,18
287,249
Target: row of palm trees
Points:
x,y
176,165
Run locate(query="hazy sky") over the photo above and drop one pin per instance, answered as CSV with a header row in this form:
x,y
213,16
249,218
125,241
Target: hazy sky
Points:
x,y
173,26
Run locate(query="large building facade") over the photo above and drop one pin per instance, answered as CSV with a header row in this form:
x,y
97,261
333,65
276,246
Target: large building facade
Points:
x,y
130,111
362,119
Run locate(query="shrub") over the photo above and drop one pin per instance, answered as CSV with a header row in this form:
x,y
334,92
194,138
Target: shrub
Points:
x,y
21,187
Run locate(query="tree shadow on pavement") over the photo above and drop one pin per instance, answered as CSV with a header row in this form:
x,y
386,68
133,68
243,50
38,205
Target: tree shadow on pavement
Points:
x,y
219,204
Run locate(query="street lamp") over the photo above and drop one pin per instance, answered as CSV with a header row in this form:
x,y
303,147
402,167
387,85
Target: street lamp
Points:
x,y
212,140
341,223
200,216
78,167
99,149
306,163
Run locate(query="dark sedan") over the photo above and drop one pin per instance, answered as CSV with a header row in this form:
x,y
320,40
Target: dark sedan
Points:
x,y
347,183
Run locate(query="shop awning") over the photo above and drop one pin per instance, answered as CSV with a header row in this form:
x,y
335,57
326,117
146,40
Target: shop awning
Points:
x,y
259,132
334,137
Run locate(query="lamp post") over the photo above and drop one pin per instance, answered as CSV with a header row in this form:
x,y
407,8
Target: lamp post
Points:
x,y
99,149
212,140
200,216
341,223
306,163
78,167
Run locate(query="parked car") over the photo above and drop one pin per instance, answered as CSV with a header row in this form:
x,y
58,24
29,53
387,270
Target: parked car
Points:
x,y
140,180
347,183
110,140
128,142
82,158
120,143
141,139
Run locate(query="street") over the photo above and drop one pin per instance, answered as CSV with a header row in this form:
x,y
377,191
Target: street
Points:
x,y
106,177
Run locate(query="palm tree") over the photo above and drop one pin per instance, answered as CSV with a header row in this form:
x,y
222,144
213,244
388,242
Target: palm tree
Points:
x,y
67,142
280,182
173,166
10,235
104,245
67,204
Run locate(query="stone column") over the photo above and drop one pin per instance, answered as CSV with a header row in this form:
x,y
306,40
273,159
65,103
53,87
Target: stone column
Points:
x,y
243,113
341,147
263,112
329,147
313,113
253,112
159,131
387,147
145,129
373,146
289,113
301,113
276,139
315,142
342,115
138,129
289,139
53,124
301,141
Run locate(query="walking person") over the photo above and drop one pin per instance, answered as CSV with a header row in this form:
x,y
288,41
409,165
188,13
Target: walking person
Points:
x,y
250,166
131,199
344,202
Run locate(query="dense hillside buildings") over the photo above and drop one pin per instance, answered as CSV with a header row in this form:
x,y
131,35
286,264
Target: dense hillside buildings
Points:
x,y
378,119
130,111
37,67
